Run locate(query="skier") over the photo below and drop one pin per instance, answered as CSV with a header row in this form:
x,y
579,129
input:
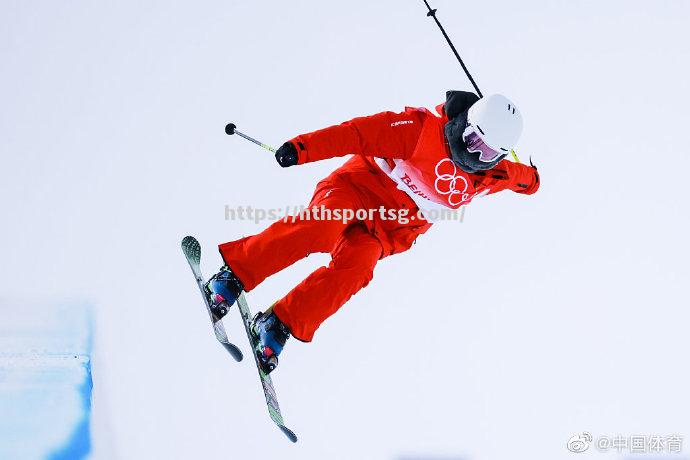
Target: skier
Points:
x,y
404,163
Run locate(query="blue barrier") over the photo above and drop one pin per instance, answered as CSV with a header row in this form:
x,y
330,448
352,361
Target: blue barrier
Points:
x,y
45,382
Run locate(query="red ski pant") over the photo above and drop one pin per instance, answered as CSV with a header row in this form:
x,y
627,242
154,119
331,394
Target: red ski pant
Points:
x,y
353,249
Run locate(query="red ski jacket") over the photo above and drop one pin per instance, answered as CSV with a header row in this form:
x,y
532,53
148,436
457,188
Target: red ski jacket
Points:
x,y
402,160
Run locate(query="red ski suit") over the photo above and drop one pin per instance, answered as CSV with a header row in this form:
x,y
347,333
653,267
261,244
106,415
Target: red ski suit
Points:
x,y
400,162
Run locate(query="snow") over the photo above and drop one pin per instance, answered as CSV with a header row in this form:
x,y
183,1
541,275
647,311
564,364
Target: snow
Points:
x,y
45,382
536,319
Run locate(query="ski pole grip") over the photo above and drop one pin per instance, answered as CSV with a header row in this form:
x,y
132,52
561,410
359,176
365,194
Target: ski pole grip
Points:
x,y
230,129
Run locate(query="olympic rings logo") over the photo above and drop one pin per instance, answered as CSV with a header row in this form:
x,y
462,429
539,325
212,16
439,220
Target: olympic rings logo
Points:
x,y
449,180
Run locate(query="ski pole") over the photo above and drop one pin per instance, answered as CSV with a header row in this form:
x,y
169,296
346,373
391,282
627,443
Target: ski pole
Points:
x,y
432,13
515,157
231,129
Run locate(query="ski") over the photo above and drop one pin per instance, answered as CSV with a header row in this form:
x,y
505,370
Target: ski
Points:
x,y
192,252
266,382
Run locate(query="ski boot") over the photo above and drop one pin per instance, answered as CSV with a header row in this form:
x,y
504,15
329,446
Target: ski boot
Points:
x,y
222,291
271,335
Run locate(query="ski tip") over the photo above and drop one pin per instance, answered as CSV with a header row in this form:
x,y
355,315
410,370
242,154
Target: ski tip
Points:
x,y
288,432
191,248
234,351
230,129
188,241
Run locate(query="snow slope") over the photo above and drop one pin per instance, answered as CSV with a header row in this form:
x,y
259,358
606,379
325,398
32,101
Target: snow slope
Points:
x,y
45,381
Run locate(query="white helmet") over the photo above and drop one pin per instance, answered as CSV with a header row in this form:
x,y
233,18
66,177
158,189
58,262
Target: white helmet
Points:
x,y
498,122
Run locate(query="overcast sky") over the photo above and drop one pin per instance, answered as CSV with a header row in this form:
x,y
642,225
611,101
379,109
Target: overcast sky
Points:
x,y
538,318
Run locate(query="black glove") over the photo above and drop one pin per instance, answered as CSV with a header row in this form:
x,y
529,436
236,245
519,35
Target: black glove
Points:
x,y
286,155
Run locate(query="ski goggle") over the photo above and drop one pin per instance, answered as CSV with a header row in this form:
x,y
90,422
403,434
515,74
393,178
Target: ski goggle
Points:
x,y
476,144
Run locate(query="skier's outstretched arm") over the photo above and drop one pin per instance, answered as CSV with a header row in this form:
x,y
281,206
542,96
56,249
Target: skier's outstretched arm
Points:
x,y
522,178
384,135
